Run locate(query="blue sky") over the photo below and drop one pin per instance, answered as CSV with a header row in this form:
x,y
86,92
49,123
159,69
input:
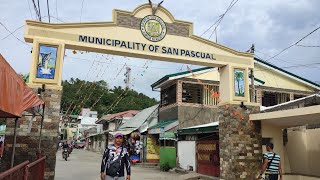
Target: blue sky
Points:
x,y
270,25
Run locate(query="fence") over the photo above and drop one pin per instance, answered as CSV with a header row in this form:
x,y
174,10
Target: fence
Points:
x,y
26,171
35,170
15,173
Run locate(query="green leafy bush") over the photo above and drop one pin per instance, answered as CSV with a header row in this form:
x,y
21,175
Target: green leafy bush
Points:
x,y
165,167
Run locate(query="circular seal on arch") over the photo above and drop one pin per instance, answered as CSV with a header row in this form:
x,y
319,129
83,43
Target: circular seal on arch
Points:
x,y
153,28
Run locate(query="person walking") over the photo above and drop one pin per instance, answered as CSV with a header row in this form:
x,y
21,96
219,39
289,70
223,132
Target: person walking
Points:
x,y
271,164
115,159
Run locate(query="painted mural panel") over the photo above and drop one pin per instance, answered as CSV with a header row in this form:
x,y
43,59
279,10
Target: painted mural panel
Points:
x,y
47,62
152,148
239,82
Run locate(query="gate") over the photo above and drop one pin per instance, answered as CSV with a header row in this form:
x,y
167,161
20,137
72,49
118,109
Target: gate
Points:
x,y
208,161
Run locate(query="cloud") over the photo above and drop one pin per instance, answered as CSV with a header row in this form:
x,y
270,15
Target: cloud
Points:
x,y
270,25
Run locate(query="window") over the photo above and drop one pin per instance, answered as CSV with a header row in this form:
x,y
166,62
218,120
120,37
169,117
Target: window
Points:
x,y
208,99
192,93
298,96
169,95
274,98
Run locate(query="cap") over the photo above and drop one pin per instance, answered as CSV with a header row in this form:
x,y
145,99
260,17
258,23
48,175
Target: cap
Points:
x,y
118,134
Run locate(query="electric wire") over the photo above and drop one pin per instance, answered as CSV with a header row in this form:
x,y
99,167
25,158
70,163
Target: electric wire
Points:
x,y
306,45
11,33
39,11
48,8
81,10
294,44
29,9
57,10
290,62
221,18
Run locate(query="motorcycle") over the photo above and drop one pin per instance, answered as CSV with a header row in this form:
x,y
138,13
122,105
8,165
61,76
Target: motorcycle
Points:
x,y
65,154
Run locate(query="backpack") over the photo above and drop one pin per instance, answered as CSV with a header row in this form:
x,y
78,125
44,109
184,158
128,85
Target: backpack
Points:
x,y
114,166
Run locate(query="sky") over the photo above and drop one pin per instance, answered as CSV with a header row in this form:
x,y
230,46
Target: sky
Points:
x,y
270,25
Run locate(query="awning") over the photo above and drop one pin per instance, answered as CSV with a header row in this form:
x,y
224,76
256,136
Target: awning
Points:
x,y
16,96
168,136
124,132
204,128
163,127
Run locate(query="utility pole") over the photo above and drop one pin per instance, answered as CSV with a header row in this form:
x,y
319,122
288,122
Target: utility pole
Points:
x,y
253,95
127,77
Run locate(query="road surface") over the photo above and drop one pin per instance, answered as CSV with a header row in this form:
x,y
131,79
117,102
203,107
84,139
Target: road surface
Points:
x,y
85,165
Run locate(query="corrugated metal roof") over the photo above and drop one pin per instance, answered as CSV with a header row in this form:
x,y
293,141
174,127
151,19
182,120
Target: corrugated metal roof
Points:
x,y
140,118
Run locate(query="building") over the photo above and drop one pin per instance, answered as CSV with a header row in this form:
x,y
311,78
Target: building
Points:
x,y
136,129
294,128
192,97
112,122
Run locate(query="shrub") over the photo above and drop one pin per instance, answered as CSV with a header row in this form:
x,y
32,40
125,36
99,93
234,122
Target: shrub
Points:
x,y
165,167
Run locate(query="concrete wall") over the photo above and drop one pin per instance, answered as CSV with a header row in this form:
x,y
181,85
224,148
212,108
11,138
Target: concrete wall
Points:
x,y
303,149
196,115
187,154
274,132
168,113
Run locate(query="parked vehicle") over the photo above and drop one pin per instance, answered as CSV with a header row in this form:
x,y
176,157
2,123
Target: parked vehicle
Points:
x,y
80,145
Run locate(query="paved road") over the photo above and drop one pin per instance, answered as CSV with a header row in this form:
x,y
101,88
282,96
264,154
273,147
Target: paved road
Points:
x,y
85,165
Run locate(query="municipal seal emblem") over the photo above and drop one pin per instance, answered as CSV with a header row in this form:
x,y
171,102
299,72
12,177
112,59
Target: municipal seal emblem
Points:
x,y
153,28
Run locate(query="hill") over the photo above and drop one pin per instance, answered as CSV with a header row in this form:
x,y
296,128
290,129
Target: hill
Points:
x,y
79,93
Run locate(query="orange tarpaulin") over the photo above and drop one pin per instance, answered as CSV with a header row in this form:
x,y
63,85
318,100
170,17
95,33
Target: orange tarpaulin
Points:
x,y
15,95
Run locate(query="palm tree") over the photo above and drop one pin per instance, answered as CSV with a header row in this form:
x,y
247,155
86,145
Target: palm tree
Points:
x,y
239,77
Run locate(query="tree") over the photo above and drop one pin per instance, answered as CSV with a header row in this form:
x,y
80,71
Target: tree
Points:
x,y
79,94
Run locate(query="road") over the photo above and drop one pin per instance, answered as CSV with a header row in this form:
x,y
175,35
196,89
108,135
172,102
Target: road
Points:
x,y
85,165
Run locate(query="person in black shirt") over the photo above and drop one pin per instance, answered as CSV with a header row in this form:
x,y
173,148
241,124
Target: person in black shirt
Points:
x,y
64,146
112,154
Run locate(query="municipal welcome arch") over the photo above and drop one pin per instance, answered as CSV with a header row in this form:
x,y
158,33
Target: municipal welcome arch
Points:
x,y
158,36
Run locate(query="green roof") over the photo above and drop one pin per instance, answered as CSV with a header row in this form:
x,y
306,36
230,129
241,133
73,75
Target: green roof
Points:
x,y
287,72
168,136
178,74
204,128
165,78
162,124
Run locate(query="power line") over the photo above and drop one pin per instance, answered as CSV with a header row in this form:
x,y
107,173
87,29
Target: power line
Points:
x,y
13,34
29,8
39,10
57,10
290,62
81,10
306,45
221,18
48,10
294,44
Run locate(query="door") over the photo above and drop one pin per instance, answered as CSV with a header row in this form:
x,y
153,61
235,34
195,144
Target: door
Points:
x,y
208,161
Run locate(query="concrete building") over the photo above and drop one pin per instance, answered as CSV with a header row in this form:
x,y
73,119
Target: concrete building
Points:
x,y
293,127
192,98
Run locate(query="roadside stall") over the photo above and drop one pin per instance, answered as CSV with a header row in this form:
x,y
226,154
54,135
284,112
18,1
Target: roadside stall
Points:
x,y
16,98
168,151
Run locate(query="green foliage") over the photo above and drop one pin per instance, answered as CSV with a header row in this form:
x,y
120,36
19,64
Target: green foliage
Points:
x,y
165,167
91,91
